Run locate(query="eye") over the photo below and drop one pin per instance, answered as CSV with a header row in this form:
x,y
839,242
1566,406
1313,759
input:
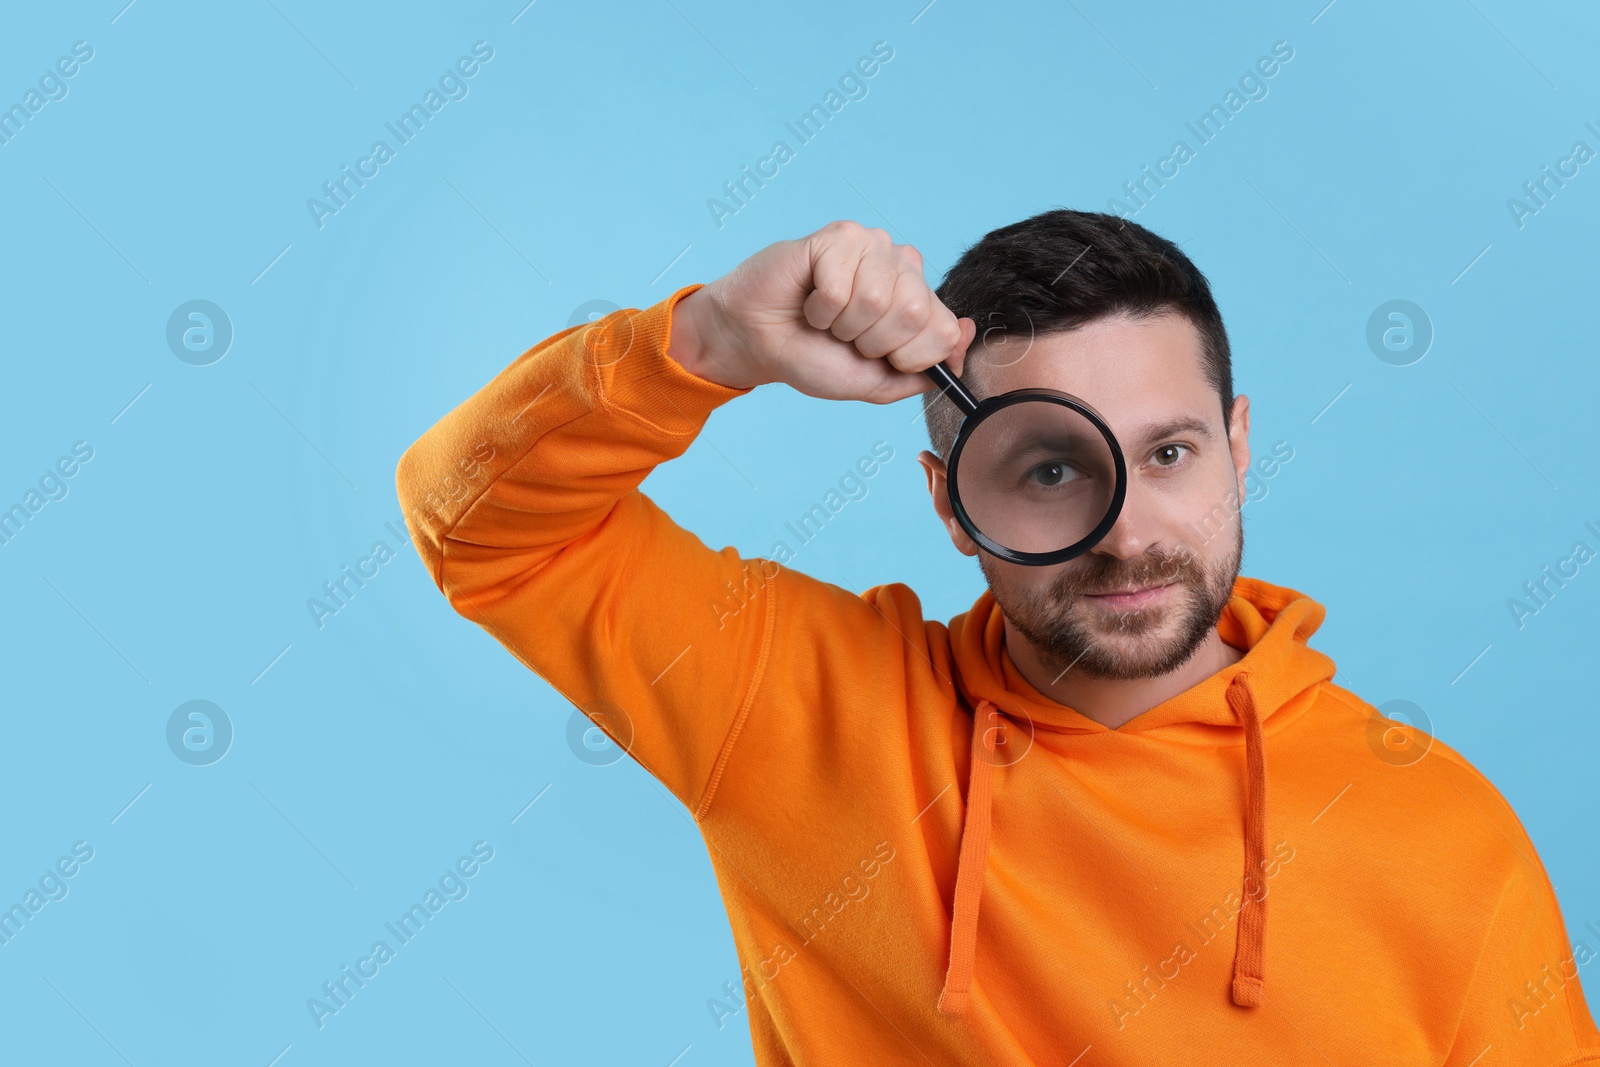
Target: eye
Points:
x,y
1170,455
1051,474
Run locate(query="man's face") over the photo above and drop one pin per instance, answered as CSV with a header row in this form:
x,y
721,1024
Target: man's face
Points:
x,y
1178,542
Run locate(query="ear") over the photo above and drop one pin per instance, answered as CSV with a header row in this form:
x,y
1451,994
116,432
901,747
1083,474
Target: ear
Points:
x,y
939,490
1239,440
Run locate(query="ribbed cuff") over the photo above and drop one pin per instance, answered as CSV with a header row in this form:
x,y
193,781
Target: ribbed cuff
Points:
x,y
628,348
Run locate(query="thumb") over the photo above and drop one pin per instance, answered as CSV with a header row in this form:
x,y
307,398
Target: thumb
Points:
x,y
958,358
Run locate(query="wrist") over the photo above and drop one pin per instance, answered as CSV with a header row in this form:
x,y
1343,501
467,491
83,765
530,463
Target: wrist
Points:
x,y
684,345
694,341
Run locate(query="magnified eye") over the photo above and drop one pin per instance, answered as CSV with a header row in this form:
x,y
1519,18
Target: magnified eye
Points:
x,y
1052,474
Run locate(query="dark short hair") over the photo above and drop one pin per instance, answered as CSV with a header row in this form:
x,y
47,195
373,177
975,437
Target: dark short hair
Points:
x,y
1061,269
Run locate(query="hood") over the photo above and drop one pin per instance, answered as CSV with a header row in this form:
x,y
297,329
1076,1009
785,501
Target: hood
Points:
x,y
1242,702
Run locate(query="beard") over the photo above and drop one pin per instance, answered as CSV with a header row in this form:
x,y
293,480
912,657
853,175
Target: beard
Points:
x,y
1069,634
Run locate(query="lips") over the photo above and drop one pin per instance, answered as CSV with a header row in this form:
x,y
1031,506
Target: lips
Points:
x,y
1125,599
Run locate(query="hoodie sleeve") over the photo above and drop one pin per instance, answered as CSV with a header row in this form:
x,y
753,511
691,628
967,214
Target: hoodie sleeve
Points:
x,y
524,504
1524,1001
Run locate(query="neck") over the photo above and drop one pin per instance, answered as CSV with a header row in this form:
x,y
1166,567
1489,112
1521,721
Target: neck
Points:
x,y
1112,702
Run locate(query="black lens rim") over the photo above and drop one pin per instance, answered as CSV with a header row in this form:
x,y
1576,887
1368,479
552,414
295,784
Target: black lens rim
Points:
x,y
988,406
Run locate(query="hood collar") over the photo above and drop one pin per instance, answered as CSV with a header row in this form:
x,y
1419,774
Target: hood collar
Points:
x,y
1269,623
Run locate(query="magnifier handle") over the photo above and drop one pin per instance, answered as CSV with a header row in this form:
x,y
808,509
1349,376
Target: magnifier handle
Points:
x,y
952,388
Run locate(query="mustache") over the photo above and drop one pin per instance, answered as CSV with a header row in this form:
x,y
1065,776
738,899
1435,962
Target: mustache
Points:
x,y
1104,574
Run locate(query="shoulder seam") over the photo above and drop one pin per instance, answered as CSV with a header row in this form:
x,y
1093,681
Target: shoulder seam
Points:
x,y
1583,1055
768,617
1494,918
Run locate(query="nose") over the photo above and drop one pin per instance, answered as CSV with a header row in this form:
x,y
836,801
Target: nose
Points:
x,y
1136,527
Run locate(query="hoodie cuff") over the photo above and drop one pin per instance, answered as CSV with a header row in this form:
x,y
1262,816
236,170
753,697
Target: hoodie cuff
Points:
x,y
628,351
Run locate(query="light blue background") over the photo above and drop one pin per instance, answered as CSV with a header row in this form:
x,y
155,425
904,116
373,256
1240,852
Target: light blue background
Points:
x,y
376,750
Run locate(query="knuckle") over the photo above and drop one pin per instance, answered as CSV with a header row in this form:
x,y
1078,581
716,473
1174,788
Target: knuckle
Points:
x,y
916,310
873,295
833,294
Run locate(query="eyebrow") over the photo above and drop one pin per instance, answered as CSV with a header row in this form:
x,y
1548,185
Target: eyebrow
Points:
x,y
1172,427
1079,445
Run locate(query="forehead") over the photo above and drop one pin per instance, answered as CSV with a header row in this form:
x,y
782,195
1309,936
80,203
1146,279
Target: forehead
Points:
x,y
1129,369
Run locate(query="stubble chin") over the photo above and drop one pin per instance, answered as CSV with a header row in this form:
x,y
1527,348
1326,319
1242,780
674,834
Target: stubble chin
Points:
x,y
1124,645
1068,633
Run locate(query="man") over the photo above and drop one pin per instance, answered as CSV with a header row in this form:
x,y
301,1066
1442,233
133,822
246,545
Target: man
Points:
x,y
1022,836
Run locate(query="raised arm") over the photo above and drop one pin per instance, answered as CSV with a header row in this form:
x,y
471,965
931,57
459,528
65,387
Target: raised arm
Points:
x,y
524,499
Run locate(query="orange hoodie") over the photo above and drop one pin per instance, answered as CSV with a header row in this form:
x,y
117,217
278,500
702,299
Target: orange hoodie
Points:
x,y
926,861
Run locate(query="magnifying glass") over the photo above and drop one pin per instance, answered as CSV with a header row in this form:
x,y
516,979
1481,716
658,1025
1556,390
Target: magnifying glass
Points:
x,y
1035,475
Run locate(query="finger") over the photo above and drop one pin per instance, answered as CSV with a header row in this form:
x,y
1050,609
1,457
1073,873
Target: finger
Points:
x,y
897,384
932,343
872,293
836,253
892,385
910,309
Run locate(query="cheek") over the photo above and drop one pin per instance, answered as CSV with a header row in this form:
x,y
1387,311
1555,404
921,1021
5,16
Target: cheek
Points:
x,y
1014,584
1203,518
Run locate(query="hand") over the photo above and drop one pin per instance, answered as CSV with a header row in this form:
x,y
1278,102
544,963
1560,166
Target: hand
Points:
x,y
843,314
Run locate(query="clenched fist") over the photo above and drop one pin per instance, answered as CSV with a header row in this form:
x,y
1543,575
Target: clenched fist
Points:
x,y
843,314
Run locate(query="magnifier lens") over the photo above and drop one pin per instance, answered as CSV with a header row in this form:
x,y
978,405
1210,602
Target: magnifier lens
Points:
x,y
1036,476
